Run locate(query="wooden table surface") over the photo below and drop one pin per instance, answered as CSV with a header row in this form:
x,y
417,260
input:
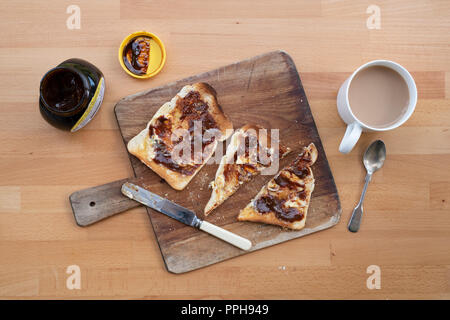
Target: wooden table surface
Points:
x,y
406,227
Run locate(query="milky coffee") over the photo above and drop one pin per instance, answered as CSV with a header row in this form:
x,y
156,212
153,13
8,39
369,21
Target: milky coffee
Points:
x,y
378,96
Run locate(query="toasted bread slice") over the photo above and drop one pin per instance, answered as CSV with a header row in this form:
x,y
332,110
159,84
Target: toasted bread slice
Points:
x,y
242,162
162,143
285,199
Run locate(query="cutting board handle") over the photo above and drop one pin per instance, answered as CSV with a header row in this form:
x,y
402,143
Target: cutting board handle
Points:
x,y
94,204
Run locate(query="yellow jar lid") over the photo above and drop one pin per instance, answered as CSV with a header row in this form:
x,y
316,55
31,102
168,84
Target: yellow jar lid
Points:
x,y
157,57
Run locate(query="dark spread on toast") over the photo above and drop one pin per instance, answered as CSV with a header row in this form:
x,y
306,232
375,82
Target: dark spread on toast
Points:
x,y
275,203
269,203
283,181
190,109
192,106
301,172
161,127
164,157
194,109
244,171
136,55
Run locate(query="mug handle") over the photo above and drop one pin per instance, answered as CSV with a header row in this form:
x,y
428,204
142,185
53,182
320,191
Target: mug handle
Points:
x,y
351,136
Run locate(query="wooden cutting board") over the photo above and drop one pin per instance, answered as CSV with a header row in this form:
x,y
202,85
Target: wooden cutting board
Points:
x,y
266,90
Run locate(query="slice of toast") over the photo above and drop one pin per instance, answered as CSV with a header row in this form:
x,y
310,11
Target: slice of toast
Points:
x,y
161,145
285,199
242,162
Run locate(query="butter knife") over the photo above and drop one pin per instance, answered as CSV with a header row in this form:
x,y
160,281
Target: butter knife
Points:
x,y
182,214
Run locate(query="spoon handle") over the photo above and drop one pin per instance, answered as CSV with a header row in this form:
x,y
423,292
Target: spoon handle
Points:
x,y
355,220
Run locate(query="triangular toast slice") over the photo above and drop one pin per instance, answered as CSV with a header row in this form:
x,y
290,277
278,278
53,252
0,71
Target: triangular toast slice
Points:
x,y
249,152
285,199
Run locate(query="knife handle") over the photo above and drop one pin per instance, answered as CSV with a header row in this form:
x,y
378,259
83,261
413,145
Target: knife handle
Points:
x,y
226,235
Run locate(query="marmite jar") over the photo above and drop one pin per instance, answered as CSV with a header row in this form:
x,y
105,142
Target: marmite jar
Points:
x,y
71,94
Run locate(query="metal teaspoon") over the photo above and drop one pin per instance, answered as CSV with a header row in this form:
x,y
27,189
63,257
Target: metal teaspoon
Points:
x,y
373,160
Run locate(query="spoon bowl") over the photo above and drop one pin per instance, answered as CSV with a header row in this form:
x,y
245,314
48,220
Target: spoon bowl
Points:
x,y
374,156
373,160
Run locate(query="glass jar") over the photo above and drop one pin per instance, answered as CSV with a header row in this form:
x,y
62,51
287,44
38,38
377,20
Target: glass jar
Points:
x,y
71,94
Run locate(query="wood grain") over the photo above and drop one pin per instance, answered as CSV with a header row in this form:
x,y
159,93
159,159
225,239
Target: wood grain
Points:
x,y
266,90
95,204
119,257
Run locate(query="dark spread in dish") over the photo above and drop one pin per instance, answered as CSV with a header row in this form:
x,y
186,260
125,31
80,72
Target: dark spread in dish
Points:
x,y
136,55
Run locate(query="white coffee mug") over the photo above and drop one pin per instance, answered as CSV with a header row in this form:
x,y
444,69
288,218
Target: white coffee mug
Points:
x,y
355,126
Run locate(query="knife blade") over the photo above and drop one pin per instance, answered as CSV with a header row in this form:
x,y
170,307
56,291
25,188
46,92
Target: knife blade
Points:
x,y
182,214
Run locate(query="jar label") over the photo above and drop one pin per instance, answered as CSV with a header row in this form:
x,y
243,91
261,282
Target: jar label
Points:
x,y
92,108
